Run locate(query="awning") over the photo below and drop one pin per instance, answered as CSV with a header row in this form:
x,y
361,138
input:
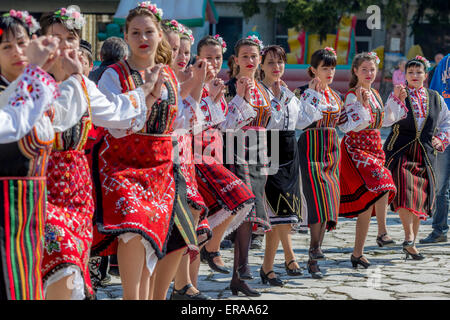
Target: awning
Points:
x,y
191,13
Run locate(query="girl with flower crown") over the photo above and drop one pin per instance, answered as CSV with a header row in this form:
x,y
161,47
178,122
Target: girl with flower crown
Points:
x,y
250,170
283,190
411,150
366,185
319,161
59,118
68,226
144,192
227,197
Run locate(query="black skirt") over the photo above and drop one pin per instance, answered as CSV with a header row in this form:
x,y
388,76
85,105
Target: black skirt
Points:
x,y
283,188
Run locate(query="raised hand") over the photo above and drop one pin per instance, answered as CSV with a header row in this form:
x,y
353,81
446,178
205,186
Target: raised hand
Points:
x,y
157,90
400,92
210,72
437,144
43,51
199,71
217,89
363,96
151,76
71,62
241,87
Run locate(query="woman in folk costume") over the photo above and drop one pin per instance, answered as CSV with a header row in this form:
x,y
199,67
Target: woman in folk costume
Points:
x,y
411,150
319,159
175,32
366,185
227,197
144,191
27,109
283,192
249,158
68,229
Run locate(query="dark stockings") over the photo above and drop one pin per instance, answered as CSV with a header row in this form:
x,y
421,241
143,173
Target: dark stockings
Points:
x,y
241,248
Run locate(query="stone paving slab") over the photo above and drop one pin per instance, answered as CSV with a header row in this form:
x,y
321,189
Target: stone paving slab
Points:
x,y
389,277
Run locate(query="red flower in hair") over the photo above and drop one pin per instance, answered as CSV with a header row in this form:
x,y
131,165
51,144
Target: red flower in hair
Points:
x,y
1,32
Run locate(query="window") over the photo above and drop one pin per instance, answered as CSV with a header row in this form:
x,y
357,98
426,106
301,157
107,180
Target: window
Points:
x,y
230,29
281,35
363,36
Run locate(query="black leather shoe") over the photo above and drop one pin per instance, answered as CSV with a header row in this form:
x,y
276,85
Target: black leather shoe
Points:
x,y
244,272
292,272
272,281
316,274
415,256
382,243
434,239
208,257
183,295
316,254
244,288
355,261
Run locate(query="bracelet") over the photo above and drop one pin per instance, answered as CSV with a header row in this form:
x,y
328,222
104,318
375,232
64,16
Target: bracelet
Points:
x,y
151,93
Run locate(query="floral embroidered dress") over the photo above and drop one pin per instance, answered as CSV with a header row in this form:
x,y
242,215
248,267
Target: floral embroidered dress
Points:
x,y
143,190
224,193
409,153
68,227
364,179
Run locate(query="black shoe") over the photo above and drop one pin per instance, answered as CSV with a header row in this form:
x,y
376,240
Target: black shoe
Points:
x,y
272,281
382,243
315,274
355,261
244,288
316,254
244,273
434,239
292,272
208,257
183,295
415,256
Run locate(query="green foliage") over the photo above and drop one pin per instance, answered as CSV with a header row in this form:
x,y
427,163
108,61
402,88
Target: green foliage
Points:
x,y
316,16
249,8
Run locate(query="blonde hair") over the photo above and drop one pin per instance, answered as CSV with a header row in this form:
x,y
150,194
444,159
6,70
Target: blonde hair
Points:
x,y
163,51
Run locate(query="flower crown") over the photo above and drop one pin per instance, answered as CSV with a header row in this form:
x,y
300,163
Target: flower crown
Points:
x,y
423,60
187,32
329,49
153,9
174,25
374,55
26,18
222,43
256,40
72,17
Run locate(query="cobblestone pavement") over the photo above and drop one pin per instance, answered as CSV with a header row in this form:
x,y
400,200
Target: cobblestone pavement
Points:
x,y
389,277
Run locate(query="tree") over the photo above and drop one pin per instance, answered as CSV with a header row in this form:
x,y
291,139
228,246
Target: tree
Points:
x,y
316,16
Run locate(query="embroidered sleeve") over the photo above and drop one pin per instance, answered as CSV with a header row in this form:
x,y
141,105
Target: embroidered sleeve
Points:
x,y
118,111
443,125
24,102
189,116
239,114
212,112
356,116
307,115
312,98
394,111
